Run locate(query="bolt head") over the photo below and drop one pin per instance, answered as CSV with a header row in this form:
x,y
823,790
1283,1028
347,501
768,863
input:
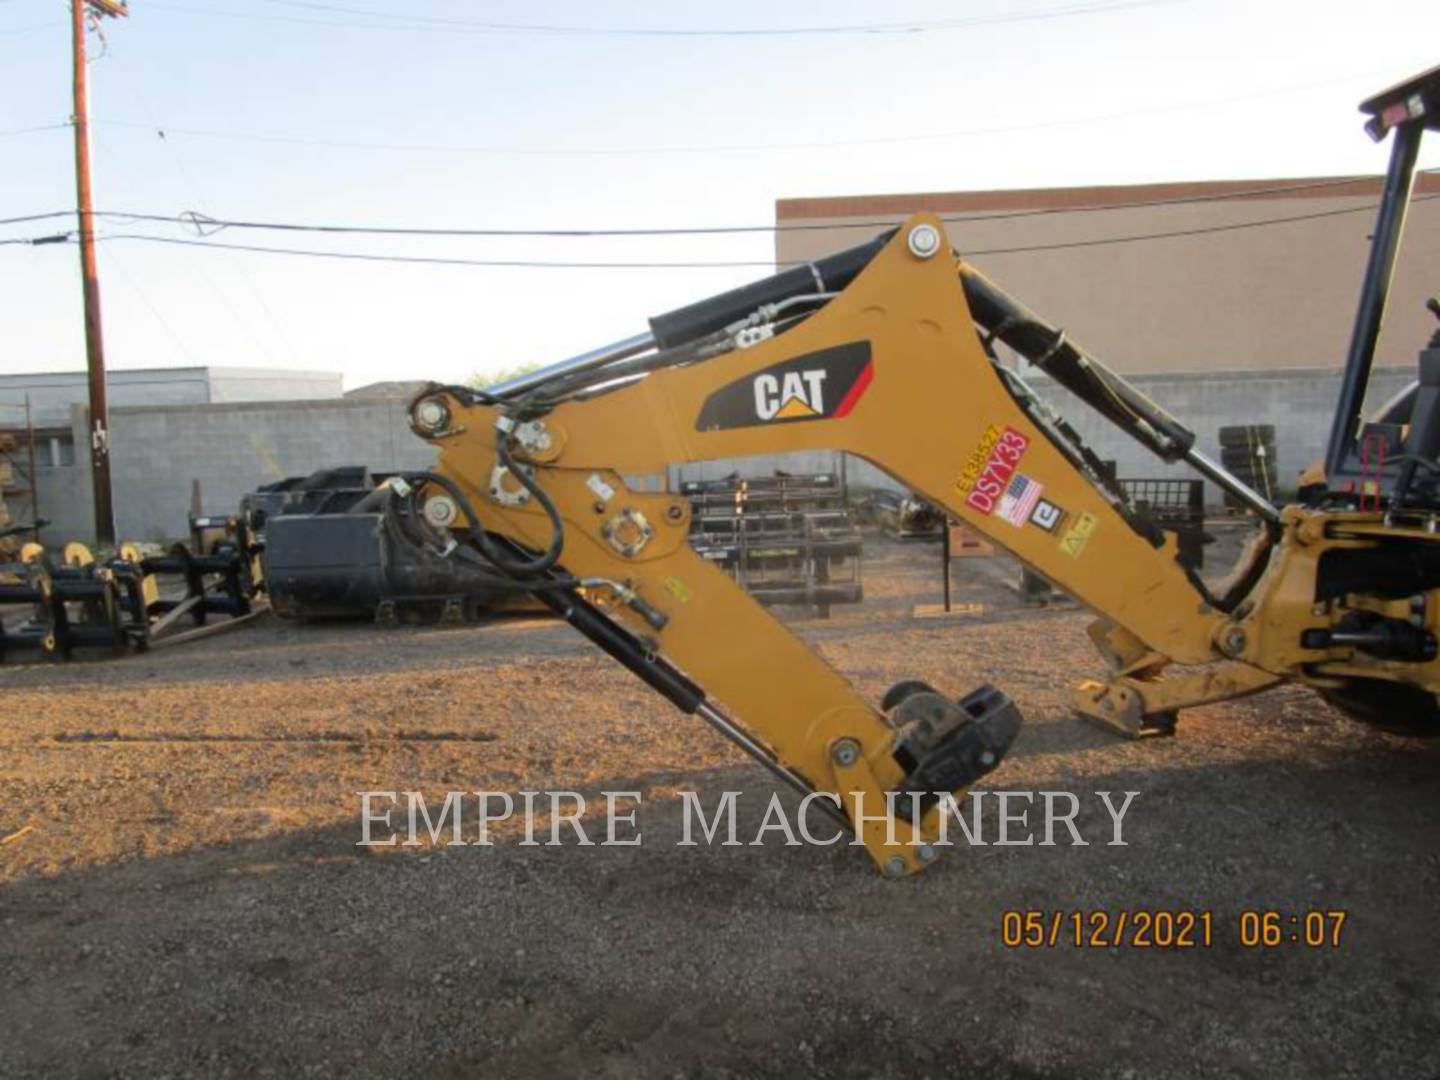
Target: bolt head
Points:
x,y
431,414
924,241
847,752
895,868
441,511
927,853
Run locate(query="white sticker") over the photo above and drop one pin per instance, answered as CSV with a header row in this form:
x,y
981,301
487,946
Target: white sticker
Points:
x,y
597,484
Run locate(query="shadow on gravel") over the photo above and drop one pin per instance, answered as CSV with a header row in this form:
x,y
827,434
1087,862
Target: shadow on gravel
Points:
x,y
301,952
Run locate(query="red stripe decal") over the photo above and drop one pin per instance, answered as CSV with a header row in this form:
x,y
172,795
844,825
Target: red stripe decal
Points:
x,y
861,382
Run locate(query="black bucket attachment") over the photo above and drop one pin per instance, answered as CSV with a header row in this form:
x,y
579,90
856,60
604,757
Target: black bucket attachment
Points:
x,y
338,544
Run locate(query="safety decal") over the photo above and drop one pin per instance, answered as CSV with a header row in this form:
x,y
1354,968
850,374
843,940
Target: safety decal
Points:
x,y
823,385
1047,516
987,476
679,590
1078,535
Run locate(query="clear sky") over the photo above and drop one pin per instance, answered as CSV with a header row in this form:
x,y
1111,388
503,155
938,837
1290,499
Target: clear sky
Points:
x,y
379,112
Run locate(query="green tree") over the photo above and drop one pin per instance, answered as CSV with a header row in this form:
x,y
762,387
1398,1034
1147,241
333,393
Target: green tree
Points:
x,y
480,380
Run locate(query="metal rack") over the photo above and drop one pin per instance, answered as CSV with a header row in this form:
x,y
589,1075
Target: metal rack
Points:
x,y
19,491
785,539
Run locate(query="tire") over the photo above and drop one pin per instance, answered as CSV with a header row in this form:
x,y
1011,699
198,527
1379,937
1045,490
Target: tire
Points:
x,y
1254,471
902,690
1389,706
1247,434
1236,457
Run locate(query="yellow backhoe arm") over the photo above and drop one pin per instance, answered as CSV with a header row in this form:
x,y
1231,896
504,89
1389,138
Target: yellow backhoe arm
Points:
x,y
891,370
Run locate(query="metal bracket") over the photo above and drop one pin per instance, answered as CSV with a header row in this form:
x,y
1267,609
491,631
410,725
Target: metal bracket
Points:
x,y
628,532
503,495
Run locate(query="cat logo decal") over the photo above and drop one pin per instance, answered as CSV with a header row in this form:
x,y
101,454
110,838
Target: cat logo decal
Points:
x,y
824,385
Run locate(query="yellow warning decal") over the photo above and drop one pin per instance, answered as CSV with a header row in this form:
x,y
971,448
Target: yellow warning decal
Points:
x,y
1078,535
678,589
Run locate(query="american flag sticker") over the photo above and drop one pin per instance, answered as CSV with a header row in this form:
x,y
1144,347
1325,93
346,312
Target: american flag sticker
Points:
x,y
1019,500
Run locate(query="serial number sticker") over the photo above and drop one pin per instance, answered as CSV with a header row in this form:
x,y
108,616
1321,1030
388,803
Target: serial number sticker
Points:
x,y
987,474
678,589
1078,535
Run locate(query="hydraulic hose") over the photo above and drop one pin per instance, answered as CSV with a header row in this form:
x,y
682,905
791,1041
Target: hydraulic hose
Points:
x,y
516,568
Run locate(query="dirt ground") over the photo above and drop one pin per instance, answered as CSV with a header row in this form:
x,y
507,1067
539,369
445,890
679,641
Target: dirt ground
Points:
x,y
181,893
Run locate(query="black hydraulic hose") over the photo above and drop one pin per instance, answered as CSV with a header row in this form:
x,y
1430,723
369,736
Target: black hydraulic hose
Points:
x,y
399,528
551,555
830,274
516,568
1006,319
372,501
625,647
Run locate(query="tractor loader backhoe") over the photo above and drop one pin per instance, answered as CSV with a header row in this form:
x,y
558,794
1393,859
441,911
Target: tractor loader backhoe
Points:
x,y
888,351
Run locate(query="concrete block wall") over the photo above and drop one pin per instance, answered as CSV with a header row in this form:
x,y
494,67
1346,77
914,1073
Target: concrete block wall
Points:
x,y
233,448
157,451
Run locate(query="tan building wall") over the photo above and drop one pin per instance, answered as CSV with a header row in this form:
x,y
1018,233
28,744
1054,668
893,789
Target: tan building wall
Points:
x,y
1254,299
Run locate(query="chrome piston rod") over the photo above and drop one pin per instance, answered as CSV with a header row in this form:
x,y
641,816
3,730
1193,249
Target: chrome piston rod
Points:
x,y
1218,474
587,361
722,723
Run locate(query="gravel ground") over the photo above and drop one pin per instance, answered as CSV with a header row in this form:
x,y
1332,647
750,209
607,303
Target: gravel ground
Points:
x,y
181,893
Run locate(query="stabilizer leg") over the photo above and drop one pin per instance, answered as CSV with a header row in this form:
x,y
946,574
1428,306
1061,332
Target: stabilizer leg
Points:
x,y
1139,701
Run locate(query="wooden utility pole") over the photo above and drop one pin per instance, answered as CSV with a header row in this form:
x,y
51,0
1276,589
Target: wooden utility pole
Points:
x,y
89,277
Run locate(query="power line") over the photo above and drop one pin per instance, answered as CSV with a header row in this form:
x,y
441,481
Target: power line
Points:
x,y
37,241
450,25
203,275
32,130
160,319
1187,232
204,222
695,265
713,230
244,275
36,217
734,148
434,260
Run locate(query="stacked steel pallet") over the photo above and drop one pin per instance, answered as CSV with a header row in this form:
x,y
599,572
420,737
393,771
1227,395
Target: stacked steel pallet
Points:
x,y
785,539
